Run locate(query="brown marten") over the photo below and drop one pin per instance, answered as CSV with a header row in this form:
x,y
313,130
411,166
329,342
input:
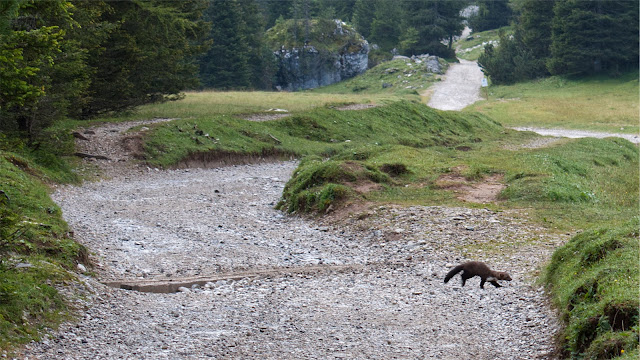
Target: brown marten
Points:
x,y
477,268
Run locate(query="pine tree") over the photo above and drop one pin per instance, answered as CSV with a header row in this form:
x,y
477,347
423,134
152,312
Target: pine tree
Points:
x,y
148,54
341,9
434,20
40,69
363,15
594,36
534,23
274,9
226,64
260,57
492,14
386,28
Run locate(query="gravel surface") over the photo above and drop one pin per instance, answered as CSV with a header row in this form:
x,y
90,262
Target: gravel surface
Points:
x,y
363,285
460,87
634,138
391,303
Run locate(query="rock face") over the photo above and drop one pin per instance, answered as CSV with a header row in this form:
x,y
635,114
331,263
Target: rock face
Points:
x,y
312,66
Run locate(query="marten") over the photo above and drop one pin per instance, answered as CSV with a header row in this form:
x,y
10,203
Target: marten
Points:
x,y
477,268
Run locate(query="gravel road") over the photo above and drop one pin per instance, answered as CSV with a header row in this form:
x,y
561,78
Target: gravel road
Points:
x,y
366,285
460,87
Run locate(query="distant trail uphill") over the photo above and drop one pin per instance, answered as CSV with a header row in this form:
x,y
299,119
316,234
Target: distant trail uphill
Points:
x,y
459,88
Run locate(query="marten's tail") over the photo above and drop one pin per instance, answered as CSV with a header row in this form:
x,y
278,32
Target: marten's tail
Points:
x,y
451,273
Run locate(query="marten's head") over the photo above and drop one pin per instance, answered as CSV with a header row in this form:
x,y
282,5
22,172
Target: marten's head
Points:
x,y
503,276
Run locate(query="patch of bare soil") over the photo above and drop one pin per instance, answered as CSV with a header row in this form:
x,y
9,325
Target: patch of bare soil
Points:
x,y
265,116
113,148
482,191
357,107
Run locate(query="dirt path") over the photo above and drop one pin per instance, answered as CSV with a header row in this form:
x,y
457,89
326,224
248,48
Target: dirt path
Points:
x,y
634,138
459,88
274,286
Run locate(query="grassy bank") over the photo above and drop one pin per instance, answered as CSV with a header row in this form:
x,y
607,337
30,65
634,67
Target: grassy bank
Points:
x,y
471,47
401,77
36,249
570,185
206,104
323,131
595,103
595,281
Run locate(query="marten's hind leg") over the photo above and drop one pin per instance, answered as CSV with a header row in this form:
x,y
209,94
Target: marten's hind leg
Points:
x,y
464,277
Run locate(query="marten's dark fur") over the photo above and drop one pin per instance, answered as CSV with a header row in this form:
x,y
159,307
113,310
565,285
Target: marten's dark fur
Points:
x,y
477,268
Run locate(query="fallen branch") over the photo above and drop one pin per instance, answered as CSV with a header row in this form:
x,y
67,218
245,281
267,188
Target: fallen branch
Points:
x,y
85,156
274,138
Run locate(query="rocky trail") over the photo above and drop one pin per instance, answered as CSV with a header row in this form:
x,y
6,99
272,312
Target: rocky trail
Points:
x,y
221,274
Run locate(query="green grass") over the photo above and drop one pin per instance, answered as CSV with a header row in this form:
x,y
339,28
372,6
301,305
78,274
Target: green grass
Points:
x,y
322,131
570,185
402,77
595,281
472,49
32,233
594,103
204,104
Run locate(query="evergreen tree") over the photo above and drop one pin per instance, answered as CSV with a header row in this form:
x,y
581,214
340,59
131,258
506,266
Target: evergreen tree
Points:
x,y
336,9
594,36
534,28
386,28
261,61
492,14
40,70
510,62
434,20
147,56
275,9
363,15
534,23
226,64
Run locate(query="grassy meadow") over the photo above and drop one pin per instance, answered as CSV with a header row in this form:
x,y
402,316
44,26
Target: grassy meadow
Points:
x,y
595,103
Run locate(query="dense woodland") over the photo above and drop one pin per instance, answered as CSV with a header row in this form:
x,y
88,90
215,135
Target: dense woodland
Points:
x,y
566,37
81,59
